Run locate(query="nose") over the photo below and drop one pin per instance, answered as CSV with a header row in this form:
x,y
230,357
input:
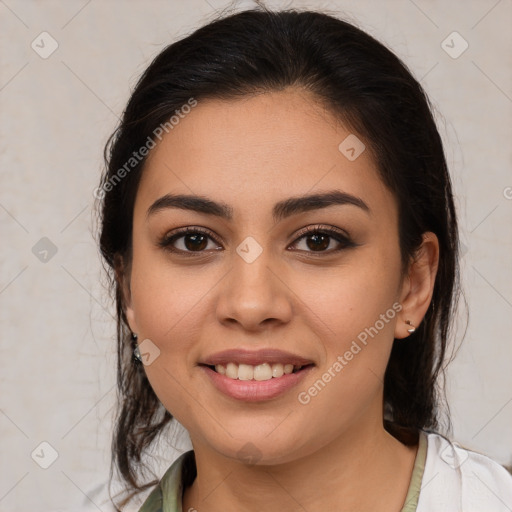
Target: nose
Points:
x,y
254,294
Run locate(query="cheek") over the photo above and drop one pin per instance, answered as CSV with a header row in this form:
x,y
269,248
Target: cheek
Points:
x,y
349,299
360,316
166,305
357,305
166,300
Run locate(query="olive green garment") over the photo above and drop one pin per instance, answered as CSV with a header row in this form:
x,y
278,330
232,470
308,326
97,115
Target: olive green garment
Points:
x,y
167,495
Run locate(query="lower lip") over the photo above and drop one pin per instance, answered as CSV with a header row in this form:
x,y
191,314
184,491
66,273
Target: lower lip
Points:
x,y
255,390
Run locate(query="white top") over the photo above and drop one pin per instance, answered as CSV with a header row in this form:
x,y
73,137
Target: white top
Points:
x,y
456,479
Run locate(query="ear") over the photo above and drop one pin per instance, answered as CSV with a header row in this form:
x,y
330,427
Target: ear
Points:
x,y
418,285
122,271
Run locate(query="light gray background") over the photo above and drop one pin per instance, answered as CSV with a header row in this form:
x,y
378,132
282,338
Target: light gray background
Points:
x,y
57,330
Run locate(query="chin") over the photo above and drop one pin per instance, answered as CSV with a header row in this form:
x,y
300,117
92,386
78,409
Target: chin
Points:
x,y
260,451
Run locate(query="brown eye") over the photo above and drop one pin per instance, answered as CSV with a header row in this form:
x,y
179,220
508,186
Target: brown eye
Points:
x,y
319,240
188,240
195,242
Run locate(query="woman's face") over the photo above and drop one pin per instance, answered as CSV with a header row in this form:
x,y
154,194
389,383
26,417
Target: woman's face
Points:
x,y
263,279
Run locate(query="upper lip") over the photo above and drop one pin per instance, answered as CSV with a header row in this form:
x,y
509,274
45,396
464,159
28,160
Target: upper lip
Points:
x,y
255,357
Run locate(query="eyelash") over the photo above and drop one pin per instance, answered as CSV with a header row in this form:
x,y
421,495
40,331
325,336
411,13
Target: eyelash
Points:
x,y
345,242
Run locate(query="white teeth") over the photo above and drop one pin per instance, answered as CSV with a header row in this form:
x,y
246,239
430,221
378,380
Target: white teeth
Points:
x,y
231,371
264,371
245,372
277,370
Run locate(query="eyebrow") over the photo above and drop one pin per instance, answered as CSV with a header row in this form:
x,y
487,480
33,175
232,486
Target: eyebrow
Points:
x,y
280,211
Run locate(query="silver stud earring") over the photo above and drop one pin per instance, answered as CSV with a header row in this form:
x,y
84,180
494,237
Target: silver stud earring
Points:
x,y
412,329
136,352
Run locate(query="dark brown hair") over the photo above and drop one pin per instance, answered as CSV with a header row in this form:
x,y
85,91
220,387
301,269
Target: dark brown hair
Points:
x,y
371,91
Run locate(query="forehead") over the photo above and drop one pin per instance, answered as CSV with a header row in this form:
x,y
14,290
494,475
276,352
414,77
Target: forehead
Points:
x,y
260,149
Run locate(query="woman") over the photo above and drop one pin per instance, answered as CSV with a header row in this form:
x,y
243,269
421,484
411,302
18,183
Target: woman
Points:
x,y
279,221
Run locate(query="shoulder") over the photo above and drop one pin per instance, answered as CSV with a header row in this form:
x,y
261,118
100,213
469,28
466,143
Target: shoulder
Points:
x,y
459,479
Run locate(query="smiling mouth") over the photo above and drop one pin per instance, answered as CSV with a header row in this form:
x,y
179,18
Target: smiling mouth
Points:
x,y
260,372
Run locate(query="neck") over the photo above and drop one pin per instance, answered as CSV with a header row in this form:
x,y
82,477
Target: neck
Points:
x,y
364,469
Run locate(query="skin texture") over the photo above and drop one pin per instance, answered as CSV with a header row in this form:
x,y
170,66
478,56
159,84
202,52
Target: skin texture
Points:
x,y
251,153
